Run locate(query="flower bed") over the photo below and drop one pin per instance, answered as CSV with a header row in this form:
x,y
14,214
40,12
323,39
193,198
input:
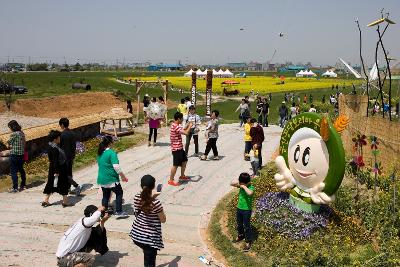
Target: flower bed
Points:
x,y
350,233
274,209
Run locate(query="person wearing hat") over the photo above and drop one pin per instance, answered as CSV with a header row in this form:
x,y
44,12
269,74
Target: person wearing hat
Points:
x,y
146,228
194,130
283,114
76,237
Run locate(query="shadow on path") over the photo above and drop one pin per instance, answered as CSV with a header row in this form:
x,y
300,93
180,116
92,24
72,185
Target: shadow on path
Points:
x,y
173,263
111,258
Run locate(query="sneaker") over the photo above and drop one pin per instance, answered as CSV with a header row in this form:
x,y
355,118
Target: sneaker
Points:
x,y
204,157
121,215
216,158
173,183
22,188
149,144
78,190
184,178
247,247
12,190
154,144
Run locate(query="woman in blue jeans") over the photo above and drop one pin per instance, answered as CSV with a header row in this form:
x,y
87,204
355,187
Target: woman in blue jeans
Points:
x,y
17,150
108,177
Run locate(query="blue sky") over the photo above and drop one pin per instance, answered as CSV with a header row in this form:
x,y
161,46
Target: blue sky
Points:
x,y
202,32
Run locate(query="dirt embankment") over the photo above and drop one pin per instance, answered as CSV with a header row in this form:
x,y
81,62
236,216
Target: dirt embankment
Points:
x,y
69,105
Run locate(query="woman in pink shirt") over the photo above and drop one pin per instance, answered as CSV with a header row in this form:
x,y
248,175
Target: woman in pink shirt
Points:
x,y
153,126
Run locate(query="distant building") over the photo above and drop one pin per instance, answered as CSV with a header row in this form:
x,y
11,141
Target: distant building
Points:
x,y
292,68
165,67
254,66
237,66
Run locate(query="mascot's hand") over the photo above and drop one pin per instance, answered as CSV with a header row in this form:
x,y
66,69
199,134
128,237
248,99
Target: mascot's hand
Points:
x,y
319,197
284,179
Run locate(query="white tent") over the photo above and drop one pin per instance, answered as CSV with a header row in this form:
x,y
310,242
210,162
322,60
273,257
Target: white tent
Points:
x,y
189,73
310,73
199,72
300,73
329,73
214,72
228,73
220,72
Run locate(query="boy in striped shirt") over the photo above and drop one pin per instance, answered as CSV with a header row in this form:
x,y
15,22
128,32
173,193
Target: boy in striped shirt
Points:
x,y
178,154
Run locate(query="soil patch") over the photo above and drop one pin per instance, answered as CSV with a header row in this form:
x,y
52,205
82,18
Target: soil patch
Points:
x,y
66,105
73,105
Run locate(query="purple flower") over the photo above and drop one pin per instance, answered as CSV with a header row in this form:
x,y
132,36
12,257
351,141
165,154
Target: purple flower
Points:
x,y
274,210
80,147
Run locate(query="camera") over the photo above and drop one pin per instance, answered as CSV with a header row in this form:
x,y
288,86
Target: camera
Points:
x,y
109,211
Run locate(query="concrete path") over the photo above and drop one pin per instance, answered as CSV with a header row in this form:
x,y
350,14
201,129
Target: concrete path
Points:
x,y
29,234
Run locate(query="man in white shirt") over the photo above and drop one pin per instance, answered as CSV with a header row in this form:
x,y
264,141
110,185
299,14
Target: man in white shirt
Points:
x,y
312,109
194,130
188,102
76,237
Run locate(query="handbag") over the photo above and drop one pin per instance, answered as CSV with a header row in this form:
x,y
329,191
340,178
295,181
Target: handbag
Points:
x,y
26,156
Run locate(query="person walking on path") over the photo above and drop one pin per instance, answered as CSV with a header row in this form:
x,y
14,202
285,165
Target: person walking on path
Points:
x,y
188,102
254,161
146,228
68,145
17,152
57,179
182,107
259,109
129,108
244,112
178,154
108,176
154,124
247,139
194,130
257,138
212,136
265,112
244,209
283,114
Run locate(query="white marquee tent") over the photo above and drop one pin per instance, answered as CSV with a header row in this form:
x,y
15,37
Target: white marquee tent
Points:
x,y
300,74
329,73
228,73
220,73
189,73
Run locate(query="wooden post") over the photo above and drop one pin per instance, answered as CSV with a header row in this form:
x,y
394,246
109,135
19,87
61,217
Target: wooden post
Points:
x,y
138,101
166,89
194,77
208,93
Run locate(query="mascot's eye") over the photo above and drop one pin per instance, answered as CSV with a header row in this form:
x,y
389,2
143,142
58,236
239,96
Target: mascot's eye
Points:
x,y
306,156
297,154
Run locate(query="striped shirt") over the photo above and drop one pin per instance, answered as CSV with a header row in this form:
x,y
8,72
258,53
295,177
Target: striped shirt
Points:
x,y
146,228
176,136
17,143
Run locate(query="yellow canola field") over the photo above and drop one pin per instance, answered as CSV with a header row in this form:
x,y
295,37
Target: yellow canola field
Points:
x,y
261,84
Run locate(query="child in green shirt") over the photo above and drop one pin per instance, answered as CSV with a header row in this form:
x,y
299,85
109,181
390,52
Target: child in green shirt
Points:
x,y
244,207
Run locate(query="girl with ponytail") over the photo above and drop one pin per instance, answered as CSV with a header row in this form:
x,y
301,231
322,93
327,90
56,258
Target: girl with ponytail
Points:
x,y
108,176
146,228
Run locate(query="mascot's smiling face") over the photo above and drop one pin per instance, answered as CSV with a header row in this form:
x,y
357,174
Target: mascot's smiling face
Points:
x,y
308,158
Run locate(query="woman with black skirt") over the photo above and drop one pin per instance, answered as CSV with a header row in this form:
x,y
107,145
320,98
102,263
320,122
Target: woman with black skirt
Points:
x,y
57,181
